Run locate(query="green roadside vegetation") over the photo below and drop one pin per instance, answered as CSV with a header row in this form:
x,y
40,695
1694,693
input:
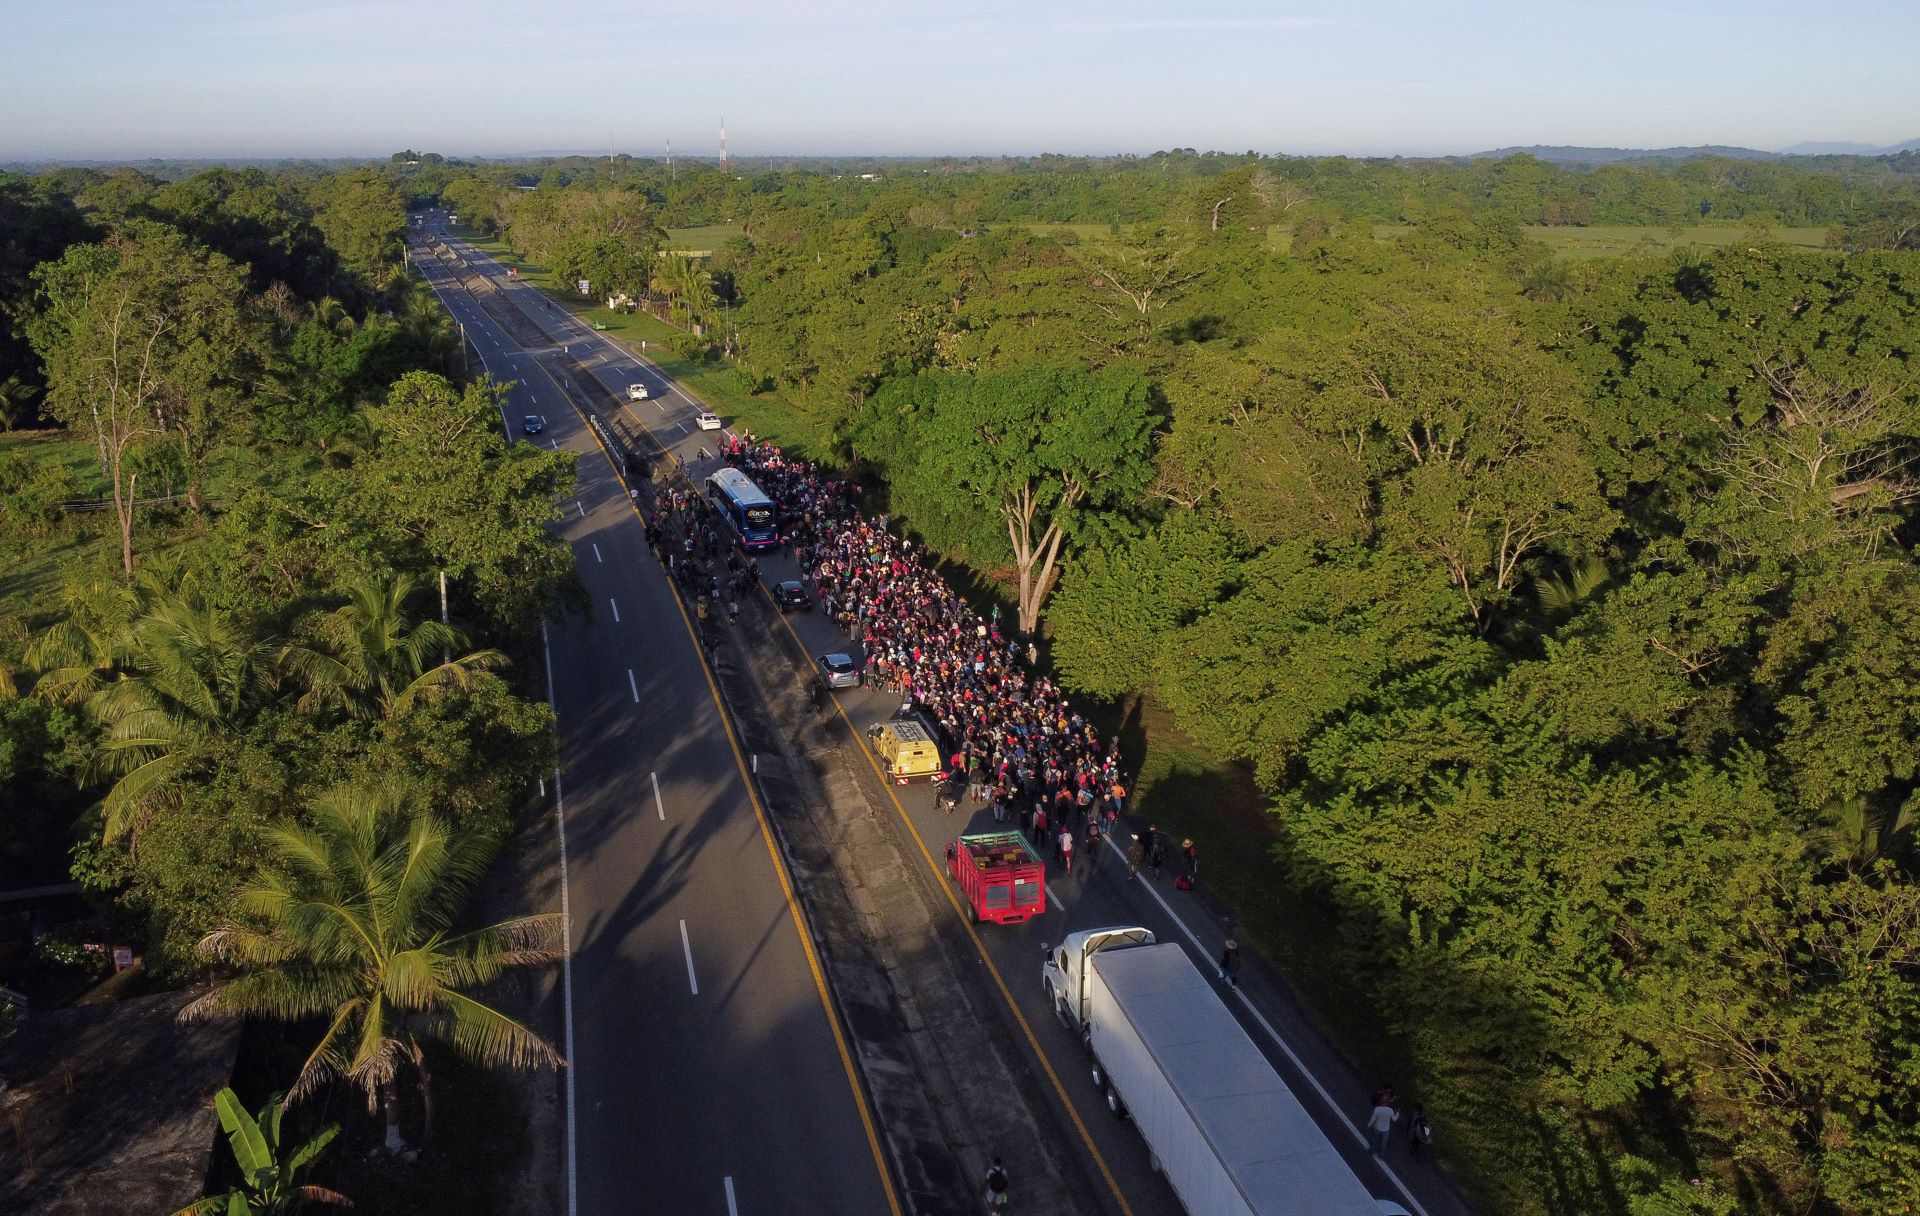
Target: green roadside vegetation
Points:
x,y
245,460
1503,577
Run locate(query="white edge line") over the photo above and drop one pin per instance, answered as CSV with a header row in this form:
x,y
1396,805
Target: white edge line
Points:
x,y
566,952
687,946
596,553
616,609
635,687
1338,1114
658,806
733,1209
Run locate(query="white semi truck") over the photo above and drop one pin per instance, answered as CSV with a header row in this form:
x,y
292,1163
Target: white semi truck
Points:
x,y
1222,1126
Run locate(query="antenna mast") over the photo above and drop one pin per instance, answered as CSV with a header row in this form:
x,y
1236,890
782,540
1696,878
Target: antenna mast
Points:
x,y
723,145
669,160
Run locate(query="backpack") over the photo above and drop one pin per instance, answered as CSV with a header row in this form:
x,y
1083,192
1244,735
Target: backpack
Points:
x,y
997,1180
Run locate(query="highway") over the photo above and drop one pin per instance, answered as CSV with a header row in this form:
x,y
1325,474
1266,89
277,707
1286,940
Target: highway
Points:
x,y
707,1074
1092,896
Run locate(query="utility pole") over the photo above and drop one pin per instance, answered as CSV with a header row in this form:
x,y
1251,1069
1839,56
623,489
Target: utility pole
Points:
x,y
723,145
669,160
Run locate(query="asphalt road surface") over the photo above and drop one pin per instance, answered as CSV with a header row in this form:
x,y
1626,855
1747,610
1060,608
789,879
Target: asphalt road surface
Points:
x,y
706,1073
1094,895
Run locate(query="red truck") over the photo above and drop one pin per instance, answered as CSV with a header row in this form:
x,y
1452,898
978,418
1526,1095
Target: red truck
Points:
x,y
1002,878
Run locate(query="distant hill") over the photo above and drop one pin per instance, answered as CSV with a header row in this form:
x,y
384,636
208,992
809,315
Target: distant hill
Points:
x,y
1843,148
1562,155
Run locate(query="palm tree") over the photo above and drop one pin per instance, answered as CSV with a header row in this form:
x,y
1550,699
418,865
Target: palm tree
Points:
x,y
353,924
191,671
368,657
14,395
333,315
694,287
1587,575
90,642
1857,835
427,327
268,1167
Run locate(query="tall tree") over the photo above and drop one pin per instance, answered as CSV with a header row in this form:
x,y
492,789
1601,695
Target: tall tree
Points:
x,y
355,923
1032,453
143,338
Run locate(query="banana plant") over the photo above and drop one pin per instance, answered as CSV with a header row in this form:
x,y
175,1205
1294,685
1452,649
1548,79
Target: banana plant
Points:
x,y
269,1169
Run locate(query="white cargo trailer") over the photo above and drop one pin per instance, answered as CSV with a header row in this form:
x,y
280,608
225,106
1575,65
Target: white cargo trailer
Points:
x,y
1226,1131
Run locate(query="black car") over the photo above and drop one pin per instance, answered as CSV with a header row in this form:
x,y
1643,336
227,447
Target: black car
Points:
x,y
533,424
792,595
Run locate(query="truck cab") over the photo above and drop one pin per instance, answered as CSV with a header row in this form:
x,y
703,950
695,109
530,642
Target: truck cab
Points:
x,y
1064,973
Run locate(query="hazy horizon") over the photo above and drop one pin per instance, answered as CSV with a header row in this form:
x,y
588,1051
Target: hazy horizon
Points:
x,y
223,79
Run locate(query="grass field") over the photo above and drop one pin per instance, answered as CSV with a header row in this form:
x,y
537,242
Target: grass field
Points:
x,y
1612,240
704,239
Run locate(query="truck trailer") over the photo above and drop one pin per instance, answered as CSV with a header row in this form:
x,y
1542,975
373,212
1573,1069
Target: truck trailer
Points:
x,y
1222,1126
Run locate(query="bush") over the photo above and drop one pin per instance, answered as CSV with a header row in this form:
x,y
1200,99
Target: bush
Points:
x,y
31,493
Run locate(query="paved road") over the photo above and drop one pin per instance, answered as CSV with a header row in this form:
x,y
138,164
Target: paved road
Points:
x,y
706,1073
1100,896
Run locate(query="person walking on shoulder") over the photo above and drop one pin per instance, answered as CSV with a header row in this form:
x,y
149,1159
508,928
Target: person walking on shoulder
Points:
x,y
1135,855
1419,1132
1380,1124
1230,964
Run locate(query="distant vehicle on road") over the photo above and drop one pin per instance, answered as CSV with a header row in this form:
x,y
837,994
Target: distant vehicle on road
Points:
x,y
748,510
533,424
792,596
636,392
839,671
707,420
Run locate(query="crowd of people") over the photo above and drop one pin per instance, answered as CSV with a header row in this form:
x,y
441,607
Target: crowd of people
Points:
x,y
1015,742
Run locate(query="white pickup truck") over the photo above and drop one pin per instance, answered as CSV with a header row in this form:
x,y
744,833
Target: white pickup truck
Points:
x,y
1223,1127
636,392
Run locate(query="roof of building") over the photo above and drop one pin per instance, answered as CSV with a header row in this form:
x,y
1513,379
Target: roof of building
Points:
x,y
109,1108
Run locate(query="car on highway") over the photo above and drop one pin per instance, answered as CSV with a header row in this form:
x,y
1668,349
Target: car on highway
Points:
x,y
533,424
707,420
839,671
636,392
792,595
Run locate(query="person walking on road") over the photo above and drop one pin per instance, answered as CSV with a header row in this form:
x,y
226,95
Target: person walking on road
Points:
x,y
1157,857
995,1185
1192,852
1135,855
1064,851
1419,1132
1230,964
1380,1123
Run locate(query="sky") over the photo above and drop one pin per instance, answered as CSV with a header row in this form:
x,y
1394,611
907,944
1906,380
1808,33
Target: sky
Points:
x,y
128,79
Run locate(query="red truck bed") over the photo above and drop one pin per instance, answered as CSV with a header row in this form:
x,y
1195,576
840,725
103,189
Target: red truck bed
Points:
x,y
1001,877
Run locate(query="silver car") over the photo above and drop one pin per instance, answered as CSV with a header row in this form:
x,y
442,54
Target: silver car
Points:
x,y
839,671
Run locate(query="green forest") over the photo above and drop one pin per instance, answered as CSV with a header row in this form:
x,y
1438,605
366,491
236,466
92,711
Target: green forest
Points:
x,y
1556,612
241,456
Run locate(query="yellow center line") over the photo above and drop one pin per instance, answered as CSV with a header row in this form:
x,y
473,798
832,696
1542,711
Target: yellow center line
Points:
x,y
966,923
